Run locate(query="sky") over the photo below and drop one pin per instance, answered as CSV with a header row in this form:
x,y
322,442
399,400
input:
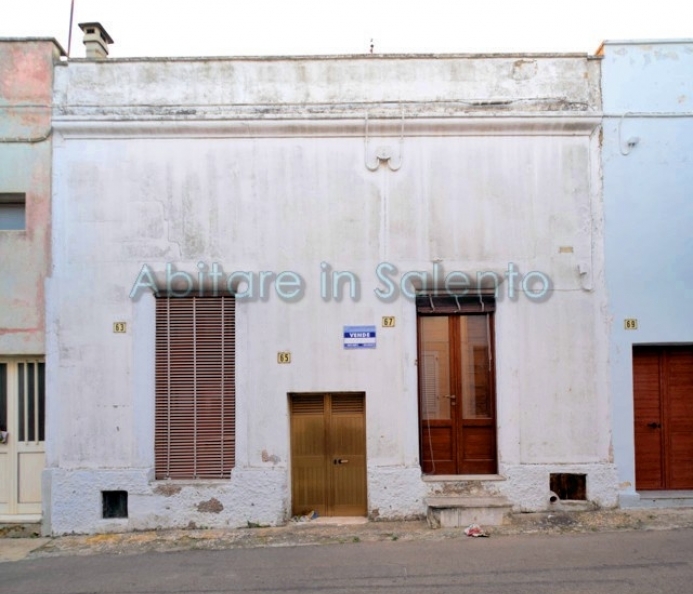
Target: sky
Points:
x,y
153,28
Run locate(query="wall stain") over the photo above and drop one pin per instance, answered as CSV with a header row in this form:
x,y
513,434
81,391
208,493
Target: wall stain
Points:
x,y
212,506
167,490
274,459
524,69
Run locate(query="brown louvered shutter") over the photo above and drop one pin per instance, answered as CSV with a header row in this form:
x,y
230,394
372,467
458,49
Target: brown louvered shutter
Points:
x,y
195,392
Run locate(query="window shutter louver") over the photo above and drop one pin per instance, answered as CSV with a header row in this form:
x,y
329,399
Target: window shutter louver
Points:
x,y
195,392
308,404
348,404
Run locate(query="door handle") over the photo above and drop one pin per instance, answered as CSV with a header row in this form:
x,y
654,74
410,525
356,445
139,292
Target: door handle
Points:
x,y
340,461
654,425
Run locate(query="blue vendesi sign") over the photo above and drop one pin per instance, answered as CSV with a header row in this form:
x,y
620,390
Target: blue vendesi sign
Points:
x,y
359,337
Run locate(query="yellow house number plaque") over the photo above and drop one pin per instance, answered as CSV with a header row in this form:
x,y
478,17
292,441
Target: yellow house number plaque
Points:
x,y
284,357
120,327
630,324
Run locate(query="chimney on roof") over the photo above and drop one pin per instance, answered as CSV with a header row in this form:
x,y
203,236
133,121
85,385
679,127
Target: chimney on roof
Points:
x,y
96,40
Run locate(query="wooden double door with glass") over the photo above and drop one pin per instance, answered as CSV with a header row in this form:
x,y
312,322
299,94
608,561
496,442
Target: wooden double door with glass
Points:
x,y
457,393
328,454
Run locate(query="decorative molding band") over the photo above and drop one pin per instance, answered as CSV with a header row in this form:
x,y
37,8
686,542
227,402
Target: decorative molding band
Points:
x,y
572,124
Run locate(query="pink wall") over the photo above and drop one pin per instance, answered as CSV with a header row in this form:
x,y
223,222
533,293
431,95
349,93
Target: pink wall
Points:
x,y
26,89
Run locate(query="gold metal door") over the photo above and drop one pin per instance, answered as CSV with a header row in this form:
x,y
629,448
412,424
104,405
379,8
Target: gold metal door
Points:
x,y
328,454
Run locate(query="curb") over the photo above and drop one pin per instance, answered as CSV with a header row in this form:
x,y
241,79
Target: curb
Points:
x,y
320,533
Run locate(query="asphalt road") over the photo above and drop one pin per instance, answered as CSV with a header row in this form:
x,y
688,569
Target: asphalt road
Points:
x,y
633,562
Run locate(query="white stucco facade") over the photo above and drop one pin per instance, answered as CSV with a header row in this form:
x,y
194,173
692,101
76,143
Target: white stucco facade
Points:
x,y
313,166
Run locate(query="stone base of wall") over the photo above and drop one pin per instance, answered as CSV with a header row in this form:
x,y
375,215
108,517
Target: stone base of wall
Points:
x,y
527,485
73,501
395,493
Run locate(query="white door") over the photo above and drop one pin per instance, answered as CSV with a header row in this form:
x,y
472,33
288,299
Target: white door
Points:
x,y
22,422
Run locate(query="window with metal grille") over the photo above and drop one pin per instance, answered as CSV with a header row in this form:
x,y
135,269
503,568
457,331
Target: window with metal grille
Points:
x,y
32,401
195,394
23,400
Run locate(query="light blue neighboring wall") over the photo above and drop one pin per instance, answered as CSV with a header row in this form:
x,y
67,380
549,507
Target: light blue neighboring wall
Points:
x,y
647,161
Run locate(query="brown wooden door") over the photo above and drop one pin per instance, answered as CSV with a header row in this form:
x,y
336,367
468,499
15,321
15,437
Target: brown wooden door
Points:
x,y
663,412
328,454
456,394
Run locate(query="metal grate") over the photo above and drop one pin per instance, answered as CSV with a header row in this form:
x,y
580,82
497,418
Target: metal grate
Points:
x,y
31,402
195,392
451,304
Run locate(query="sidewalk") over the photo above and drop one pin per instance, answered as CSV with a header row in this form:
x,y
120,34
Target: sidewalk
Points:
x,y
338,531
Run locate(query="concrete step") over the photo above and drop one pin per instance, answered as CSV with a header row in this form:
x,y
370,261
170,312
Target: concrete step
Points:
x,y
458,511
665,499
20,529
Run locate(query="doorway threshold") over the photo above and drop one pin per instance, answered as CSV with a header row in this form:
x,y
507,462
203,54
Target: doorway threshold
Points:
x,y
665,499
447,478
20,518
337,521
